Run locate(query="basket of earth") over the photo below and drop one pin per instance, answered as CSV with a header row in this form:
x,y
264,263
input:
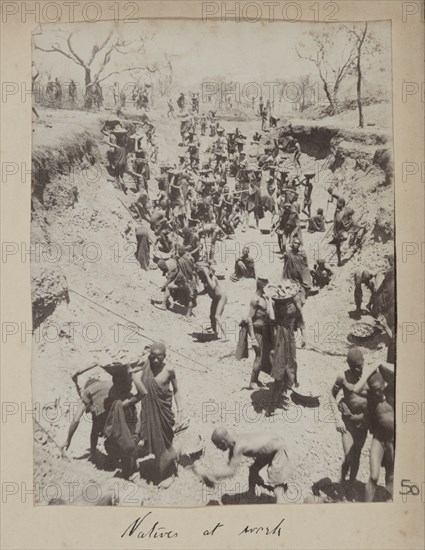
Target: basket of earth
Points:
x,y
362,330
284,290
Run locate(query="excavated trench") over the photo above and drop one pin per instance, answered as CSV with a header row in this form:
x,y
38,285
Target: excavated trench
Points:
x,y
359,164
74,203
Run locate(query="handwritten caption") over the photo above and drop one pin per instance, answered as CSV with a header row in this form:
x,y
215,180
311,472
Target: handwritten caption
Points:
x,y
146,527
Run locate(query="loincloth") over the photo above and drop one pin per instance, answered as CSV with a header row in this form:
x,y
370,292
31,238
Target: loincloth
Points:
x,y
280,469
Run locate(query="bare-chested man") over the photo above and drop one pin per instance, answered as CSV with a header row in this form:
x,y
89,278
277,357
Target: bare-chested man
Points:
x,y
297,153
218,299
213,231
260,331
352,423
367,279
380,402
344,226
267,449
97,398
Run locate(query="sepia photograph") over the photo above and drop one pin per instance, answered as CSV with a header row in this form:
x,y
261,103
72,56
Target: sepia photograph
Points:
x,y
214,277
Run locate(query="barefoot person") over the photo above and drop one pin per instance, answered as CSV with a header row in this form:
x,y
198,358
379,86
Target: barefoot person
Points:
x,y
215,233
289,319
244,266
157,417
117,155
380,402
260,330
316,223
321,274
287,226
352,423
254,202
192,243
297,153
218,299
296,266
143,247
171,285
267,449
368,280
384,307
98,397
344,227
186,270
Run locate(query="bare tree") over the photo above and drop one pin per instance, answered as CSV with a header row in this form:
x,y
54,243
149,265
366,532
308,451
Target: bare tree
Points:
x,y
165,81
35,74
366,46
333,61
360,40
305,85
100,55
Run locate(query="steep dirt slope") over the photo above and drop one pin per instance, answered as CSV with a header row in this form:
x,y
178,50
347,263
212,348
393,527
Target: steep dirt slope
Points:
x,y
87,239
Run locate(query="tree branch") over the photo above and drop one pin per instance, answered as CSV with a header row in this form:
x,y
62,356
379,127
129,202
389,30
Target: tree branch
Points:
x,y
351,31
128,69
54,49
304,57
71,49
105,61
115,47
96,49
364,35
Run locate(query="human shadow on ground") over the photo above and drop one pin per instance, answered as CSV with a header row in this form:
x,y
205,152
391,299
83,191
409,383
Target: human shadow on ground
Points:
x,y
356,315
261,399
102,461
247,498
203,337
176,308
351,492
147,470
85,456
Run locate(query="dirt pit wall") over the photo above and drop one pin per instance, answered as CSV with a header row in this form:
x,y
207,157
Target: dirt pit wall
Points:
x,y
69,177
91,235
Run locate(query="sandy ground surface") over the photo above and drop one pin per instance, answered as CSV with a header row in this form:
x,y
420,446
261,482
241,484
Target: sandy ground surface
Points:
x,y
377,117
213,384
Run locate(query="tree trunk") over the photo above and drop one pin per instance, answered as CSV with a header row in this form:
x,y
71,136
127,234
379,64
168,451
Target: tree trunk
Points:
x,y
360,43
330,97
359,91
88,99
303,100
335,97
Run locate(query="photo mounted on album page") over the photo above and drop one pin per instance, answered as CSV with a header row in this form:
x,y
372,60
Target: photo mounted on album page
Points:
x,y
212,248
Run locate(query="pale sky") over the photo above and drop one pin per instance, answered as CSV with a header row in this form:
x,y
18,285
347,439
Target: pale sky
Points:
x,y
243,51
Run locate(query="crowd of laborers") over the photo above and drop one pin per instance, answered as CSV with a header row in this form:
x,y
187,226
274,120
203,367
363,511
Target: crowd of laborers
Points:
x,y
196,206
57,94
